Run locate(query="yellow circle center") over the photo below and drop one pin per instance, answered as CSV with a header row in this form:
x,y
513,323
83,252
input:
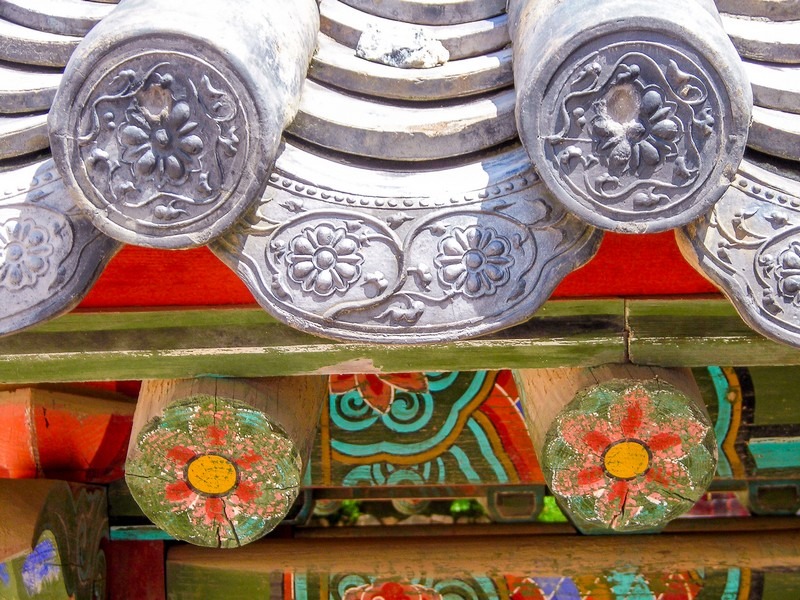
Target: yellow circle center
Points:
x,y
626,460
212,474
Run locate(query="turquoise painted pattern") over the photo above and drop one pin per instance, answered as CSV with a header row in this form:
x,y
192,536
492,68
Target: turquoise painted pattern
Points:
x,y
775,453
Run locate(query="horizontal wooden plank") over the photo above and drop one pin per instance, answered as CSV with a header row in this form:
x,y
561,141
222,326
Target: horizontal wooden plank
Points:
x,y
698,332
247,342
544,555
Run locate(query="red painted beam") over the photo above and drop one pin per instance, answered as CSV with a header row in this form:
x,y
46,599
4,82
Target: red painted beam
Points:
x,y
626,265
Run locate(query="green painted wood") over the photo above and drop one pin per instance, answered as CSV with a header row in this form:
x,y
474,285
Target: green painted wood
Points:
x,y
247,342
698,332
781,585
187,582
776,393
214,472
35,575
627,456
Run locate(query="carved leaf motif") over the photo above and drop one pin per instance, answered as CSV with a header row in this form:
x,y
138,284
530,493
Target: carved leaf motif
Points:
x,y
403,315
160,142
627,140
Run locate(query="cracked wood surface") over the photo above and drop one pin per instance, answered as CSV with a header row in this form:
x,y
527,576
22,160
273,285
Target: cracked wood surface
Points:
x,y
219,462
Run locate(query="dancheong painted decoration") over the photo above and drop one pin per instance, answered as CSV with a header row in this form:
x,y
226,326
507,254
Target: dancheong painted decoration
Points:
x,y
399,299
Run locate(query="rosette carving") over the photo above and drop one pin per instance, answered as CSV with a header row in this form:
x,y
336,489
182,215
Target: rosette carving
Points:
x,y
407,268
167,120
159,139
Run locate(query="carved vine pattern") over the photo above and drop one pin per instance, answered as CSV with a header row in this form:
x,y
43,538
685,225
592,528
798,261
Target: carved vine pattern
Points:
x,y
325,253
169,141
769,229
633,130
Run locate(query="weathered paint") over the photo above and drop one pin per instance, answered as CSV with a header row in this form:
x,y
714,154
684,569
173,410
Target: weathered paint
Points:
x,y
696,333
775,453
425,429
37,574
249,343
629,456
214,471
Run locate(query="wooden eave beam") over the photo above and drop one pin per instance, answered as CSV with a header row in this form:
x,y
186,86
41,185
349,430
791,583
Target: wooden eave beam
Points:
x,y
248,342
544,555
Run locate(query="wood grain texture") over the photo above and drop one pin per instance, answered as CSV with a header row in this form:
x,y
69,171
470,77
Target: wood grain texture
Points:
x,y
547,555
64,434
677,333
219,462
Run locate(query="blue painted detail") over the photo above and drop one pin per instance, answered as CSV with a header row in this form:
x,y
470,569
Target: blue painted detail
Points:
x,y
723,424
5,577
41,567
300,587
307,481
362,474
632,586
558,588
463,463
442,470
348,582
732,585
350,412
398,419
775,453
479,588
441,381
404,477
139,533
409,412
487,451
384,473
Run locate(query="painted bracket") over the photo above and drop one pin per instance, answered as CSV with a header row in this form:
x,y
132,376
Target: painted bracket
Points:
x,y
219,462
623,448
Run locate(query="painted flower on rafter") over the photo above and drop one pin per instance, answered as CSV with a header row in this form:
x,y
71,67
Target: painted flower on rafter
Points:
x,y
379,390
227,473
638,456
391,590
25,249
